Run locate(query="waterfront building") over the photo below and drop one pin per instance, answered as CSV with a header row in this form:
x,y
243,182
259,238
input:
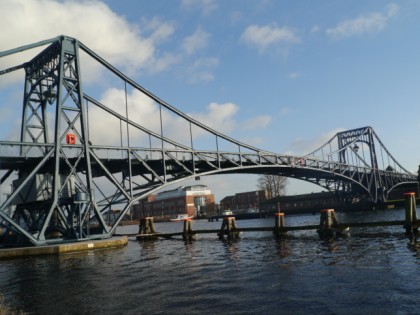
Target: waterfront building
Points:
x,y
197,201
257,201
244,202
301,203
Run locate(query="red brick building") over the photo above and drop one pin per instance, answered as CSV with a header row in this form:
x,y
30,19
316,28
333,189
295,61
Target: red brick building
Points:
x,y
313,201
194,200
242,202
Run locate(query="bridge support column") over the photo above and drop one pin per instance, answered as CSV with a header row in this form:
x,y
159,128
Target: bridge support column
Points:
x,y
329,225
279,225
229,228
411,223
146,229
188,233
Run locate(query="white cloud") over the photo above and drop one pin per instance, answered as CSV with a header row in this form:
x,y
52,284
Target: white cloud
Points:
x,y
196,41
206,6
219,116
315,29
264,37
285,111
134,48
235,17
294,75
200,70
105,129
302,147
364,24
258,122
164,62
121,43
391,10
159,30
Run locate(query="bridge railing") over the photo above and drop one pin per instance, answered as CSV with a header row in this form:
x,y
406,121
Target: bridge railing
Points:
x,y
24,150
37,150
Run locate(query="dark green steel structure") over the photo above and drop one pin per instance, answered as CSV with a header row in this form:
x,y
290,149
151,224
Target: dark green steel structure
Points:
x,y
65,187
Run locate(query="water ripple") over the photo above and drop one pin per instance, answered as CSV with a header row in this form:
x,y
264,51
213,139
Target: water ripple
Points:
x,y
373,271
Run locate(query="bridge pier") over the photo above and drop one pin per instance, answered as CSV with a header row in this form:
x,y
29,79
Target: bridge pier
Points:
x,y
188,233
329,225
279,225
229,228
411,224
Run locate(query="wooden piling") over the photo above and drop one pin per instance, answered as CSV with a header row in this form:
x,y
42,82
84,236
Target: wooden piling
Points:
x,y
188,233
411,223
146,229
329,225
279,224
229,228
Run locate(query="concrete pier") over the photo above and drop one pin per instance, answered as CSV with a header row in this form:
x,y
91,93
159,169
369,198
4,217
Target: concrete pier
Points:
x,y
63,248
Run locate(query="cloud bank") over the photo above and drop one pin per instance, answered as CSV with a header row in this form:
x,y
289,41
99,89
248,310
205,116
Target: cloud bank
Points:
x,y
92,22
268,36
364,24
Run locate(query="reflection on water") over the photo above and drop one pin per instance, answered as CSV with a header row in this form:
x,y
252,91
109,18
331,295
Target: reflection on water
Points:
x,y
374,270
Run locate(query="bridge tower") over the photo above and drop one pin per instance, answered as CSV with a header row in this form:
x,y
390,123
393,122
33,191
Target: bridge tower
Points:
x,y
64,186
54,200
353,140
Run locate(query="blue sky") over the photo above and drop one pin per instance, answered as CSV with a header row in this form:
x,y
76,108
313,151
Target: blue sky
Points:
x,y
280,75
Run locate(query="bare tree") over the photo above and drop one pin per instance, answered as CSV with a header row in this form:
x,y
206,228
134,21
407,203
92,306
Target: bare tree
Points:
x,y
275,185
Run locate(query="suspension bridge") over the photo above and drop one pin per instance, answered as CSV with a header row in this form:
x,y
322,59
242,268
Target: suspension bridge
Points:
x,y
81,154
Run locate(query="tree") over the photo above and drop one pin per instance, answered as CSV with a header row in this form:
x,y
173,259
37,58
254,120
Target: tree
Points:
x,y
275,185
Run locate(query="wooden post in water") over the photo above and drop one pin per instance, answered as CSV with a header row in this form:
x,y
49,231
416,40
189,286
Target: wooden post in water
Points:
x,y
411,223
229,228
279,224
328,224
146,228
188,233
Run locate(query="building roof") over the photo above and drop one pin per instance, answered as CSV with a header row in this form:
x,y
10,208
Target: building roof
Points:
x,y
183,191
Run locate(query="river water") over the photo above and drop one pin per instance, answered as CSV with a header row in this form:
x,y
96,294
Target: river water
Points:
x,y
372,271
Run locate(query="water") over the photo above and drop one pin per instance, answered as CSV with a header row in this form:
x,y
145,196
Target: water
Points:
x,y
373,271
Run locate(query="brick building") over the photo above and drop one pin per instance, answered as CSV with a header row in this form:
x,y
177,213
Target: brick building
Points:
x,y
257,201
194,200
304,202
245,201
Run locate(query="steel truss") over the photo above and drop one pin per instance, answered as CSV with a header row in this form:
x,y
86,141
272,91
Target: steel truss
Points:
x,y
361,170
65,187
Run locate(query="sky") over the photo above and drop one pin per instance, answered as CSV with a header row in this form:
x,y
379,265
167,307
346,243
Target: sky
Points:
x,y
283,76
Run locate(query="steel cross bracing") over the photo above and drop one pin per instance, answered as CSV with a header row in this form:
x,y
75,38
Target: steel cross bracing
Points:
x,y
67,177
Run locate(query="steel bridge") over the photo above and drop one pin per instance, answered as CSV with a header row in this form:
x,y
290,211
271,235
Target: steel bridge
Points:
x,y
80,154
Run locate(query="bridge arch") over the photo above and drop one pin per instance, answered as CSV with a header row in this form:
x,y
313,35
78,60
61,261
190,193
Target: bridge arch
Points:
x,y
71,185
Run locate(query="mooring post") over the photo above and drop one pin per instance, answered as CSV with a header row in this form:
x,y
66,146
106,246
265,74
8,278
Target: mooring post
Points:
x,y
325,221
411,223
188,233
328,224
146,228
229,228
279,224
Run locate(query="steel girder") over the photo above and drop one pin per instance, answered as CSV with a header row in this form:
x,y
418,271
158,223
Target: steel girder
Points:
x,y
53,201
61,189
